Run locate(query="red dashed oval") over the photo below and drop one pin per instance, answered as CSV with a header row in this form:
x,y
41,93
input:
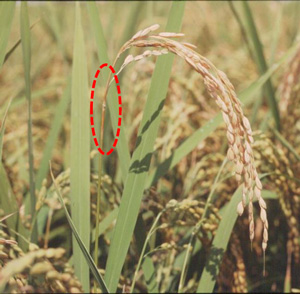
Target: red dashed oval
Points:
x,y
92,110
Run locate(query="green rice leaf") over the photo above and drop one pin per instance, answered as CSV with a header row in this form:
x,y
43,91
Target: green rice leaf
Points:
x,y
26,49
19,101
285,143
122,146
79,241
56,127
80,157
55,27
261,62
106,222
147,264
2,129
7,9
136,11
15,46
140,162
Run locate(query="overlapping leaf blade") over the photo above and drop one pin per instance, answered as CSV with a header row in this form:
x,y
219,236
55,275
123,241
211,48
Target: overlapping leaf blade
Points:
x,y
140,162
80,157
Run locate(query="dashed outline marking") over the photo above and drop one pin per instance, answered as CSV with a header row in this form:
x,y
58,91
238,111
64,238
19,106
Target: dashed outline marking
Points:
x,y
92,111
115,142
97,73
116,79
112,69
96,141
119,89
100,150
91,107
110,151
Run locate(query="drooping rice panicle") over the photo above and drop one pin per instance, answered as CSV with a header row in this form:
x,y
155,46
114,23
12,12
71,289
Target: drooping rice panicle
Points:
x,y
239,133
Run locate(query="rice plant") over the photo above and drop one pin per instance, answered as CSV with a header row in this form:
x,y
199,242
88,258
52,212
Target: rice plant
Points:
x,y
149,147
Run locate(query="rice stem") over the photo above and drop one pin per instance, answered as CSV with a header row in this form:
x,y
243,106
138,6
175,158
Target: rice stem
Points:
x,y
151,232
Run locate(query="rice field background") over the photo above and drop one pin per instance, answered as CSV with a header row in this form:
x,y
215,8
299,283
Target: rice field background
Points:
x,y
201,192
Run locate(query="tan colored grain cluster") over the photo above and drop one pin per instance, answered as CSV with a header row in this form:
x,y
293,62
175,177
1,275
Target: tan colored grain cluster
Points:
x,y
289,101
239,133
232,277
188,213
272,160
48,269
289,82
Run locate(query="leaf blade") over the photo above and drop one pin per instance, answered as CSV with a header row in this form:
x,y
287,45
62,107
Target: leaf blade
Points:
x,y
7,9
56,127
261,61
26,49
122,146
80,162
87,255
140,162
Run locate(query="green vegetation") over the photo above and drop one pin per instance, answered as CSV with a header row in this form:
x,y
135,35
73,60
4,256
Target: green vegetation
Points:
x,y
194,198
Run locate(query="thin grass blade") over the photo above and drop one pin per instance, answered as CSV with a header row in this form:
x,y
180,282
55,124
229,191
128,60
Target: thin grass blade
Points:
x,y
285,143
81,244
19,101
16,45
7,216
7,9
2,129
147,264
261,61
26,49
